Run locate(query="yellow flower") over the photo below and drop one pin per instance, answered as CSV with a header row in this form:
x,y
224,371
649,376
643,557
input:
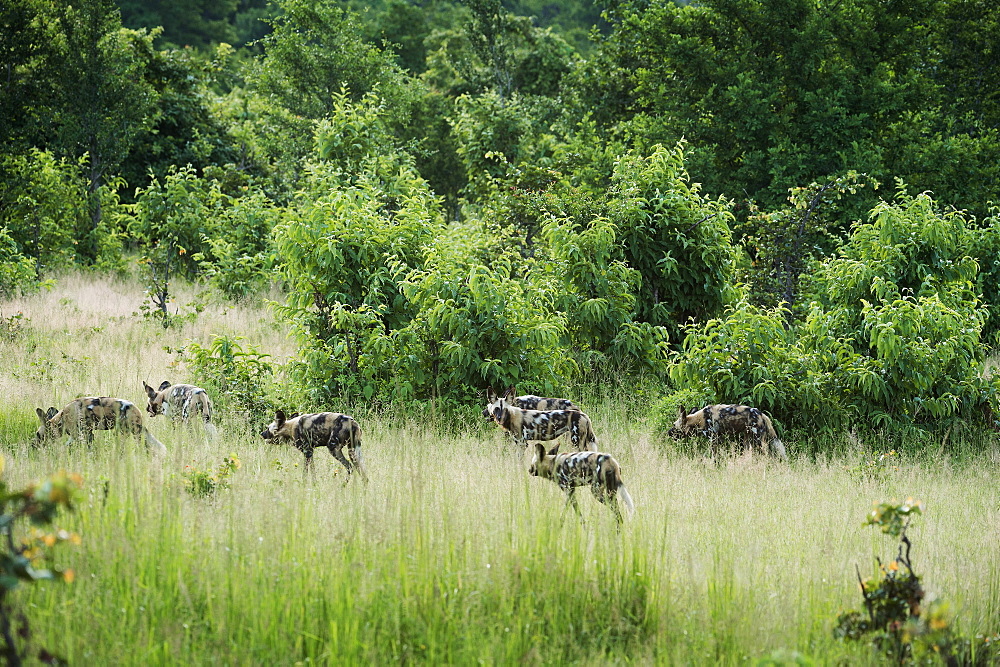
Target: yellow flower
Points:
x,y
68,576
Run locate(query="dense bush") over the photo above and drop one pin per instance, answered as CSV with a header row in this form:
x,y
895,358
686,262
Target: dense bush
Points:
x,y
341,255
676,238
16,270
42,204
892,335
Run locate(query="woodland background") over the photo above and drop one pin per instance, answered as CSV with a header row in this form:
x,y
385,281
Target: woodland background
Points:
x,y
789,204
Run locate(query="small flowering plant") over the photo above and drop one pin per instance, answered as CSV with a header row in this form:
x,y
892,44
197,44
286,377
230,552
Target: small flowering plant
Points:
x,y
203,483
25,559
899,618
876,467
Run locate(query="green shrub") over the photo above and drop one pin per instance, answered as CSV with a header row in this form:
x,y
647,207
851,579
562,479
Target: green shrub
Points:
x,y
239,376
891,336
17,272
204,483
42,204
24,559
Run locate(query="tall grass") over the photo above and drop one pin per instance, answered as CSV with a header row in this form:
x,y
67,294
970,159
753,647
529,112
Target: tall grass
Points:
x,y
452,554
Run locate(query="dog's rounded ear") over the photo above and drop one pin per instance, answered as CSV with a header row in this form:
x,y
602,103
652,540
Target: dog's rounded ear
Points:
x,y
41,415
490,395
509,394
164,385
293,415
50,413
279,418
681,412
149,390
540,451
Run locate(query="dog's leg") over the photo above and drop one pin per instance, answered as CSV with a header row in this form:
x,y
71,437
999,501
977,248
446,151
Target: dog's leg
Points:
x,y
307,452
607,497
571,500
613,504
338,453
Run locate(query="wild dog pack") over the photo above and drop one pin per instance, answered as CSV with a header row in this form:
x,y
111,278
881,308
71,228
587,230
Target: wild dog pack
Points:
x,y
532,402
545,425
324,429
738,421
83,416
597,470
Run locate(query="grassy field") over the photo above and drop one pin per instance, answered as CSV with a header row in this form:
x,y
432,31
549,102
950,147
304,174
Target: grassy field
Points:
x,y
452,554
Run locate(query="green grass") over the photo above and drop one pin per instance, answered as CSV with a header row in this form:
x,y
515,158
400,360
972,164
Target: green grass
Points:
x,y
453,554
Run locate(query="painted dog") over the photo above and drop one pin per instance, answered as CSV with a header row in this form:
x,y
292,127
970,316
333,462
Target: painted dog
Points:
x,y
85,415
597,470
324,429
532,402
740,421
527,425
180,402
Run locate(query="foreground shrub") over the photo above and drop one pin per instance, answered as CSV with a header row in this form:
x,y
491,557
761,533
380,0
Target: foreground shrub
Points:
x,y
23,559
899,619
203,483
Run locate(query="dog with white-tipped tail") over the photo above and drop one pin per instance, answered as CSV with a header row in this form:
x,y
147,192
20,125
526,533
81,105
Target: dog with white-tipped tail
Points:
x,y
597,470
81,417
181,402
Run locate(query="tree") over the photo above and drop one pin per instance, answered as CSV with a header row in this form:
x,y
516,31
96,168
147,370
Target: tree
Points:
x,y
42,206
198,23
102,100
488,35
678,239
314,51
776,95
26,43
173,223
181,127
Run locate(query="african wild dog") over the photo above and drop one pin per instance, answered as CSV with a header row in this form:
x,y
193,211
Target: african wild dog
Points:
x,y
324,429
180,402
532,402
598,470
526,425
86,415
718,421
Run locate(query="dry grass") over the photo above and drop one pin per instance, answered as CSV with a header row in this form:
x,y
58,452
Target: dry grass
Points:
x,y
452,554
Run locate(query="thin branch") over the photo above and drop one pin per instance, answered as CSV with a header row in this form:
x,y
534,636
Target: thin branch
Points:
x,y
864,594
707,217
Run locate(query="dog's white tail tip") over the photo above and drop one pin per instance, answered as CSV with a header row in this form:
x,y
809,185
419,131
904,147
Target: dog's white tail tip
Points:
x,y
778,448
627,499
154,445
